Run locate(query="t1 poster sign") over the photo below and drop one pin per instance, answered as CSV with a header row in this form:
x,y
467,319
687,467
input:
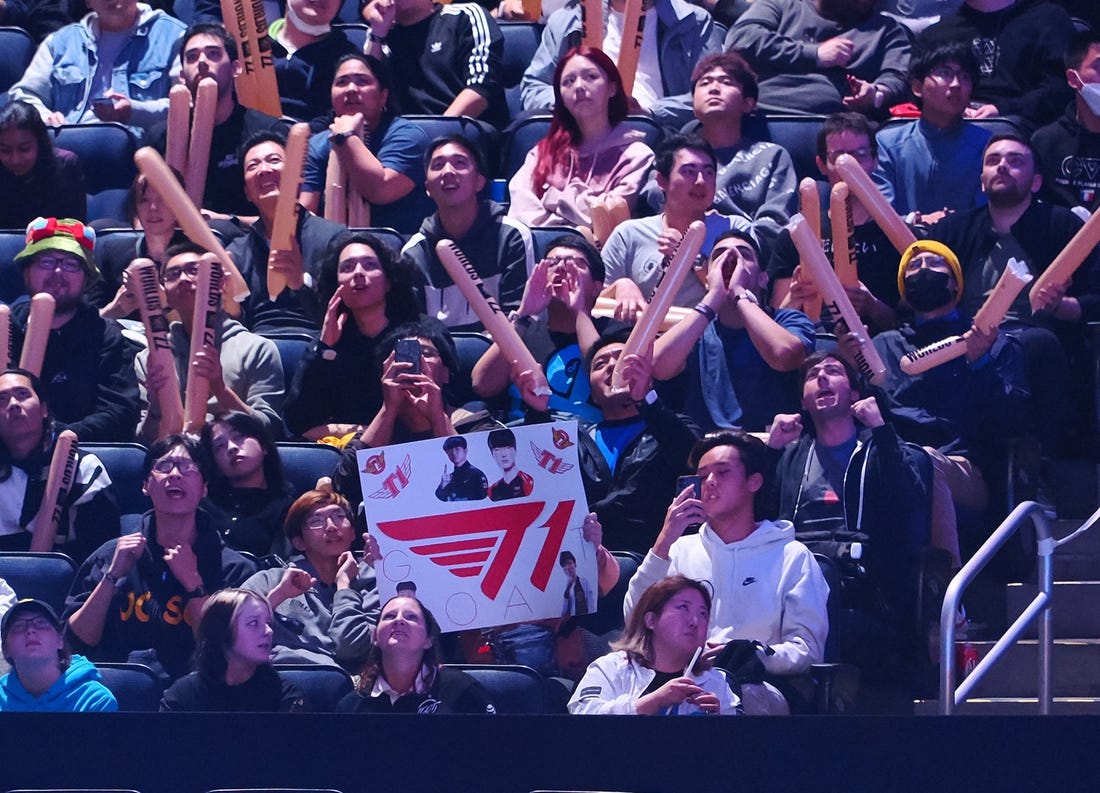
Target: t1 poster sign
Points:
x,y
485,528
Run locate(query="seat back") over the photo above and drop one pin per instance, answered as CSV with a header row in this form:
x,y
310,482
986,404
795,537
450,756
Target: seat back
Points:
x,y
391,237
323,686
44,575
521,41
124,463
136,687
544,235
356,32
796,134
16,50
479,133
305,463
106,152
512,688
11,274
469,347
291,351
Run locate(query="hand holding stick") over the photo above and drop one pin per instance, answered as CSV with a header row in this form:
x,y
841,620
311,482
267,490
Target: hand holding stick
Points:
x,y
1065,264
645,330
204,335
47,528
285,225
155,319
37,336
490,313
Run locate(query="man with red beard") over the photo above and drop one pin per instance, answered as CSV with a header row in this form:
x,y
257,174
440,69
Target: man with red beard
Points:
x,y
88,372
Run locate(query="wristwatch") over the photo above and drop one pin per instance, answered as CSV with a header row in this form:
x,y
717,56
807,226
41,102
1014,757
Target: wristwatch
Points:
x,y
649,399
340,138
747,295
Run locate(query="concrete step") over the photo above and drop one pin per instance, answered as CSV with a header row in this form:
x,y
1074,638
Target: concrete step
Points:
x,y
1075,673
1013,706
1087,544
1076,608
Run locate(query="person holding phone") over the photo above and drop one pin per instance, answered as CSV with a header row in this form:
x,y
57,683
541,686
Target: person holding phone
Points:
x,y
366,289
768,587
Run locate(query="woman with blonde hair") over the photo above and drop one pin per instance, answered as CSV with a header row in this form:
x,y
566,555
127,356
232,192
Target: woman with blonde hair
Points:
x,y
233,660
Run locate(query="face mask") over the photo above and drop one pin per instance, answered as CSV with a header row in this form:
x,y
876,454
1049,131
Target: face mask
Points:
x,y
927,290
1090,92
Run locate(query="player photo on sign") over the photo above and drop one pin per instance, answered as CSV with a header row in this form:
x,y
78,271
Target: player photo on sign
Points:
x,y
488,525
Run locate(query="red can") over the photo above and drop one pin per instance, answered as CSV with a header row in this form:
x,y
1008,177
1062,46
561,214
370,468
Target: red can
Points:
x,y
966,658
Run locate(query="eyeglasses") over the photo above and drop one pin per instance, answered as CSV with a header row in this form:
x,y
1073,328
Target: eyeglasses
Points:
x,y
185,465
863,153
39,624
174,272
946,76
65,264
573,261
322,522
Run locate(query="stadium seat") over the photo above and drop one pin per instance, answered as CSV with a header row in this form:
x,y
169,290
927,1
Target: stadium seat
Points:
x,y
521,41
544,235
513,689
796,134
522,137
124,463
305,463
108,204
324,686
291,351
393,238
477,132
469,347
11,275
106,152
44,575
136,687
16,50
356,32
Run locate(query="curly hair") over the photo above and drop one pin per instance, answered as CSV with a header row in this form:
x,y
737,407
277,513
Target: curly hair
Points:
x,y
375,666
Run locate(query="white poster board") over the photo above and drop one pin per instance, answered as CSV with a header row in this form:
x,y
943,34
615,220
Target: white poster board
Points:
x,y
487,536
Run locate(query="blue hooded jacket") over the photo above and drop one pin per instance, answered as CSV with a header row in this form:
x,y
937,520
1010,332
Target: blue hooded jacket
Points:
x,y
79,689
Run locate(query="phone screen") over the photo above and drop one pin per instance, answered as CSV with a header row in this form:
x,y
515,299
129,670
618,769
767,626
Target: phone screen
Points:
x,y
694,482
408,351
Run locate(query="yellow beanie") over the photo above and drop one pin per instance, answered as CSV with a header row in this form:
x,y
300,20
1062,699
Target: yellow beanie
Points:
x,y
930,246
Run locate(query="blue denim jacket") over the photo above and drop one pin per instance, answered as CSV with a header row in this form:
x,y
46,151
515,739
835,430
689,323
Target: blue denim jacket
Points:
x,y
59,77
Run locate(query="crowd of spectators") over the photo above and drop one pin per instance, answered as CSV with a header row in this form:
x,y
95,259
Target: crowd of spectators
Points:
x,y
981,129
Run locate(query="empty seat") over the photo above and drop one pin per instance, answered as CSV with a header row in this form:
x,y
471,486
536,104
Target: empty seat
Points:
x,y
521,41
323,686
106,152
796,134
16,50
305,463
44,575
291,351
136,687
512,688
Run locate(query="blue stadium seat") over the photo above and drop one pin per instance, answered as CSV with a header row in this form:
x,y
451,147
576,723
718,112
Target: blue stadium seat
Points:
x,y
124,462
477,132
136,687
356,32
305,463
796,134
323,686
469,347
11,275
292,348
106,152
43,575
544,235
521,40
512,688
393,238
608,620
16,50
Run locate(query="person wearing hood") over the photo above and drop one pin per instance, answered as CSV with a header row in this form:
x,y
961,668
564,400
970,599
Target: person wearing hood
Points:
x,y
767,586
962,410
45,676
1069,148
589,153
244,374
115,64
501,249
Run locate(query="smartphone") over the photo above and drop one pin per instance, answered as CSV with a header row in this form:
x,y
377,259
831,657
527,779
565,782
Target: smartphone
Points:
x,y
408,351
103,101
694,482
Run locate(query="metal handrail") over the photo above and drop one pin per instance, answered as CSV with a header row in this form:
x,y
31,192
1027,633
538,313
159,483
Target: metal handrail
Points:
x,y
950,698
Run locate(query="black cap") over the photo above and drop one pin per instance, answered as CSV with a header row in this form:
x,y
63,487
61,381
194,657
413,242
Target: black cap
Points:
x,y
29,605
